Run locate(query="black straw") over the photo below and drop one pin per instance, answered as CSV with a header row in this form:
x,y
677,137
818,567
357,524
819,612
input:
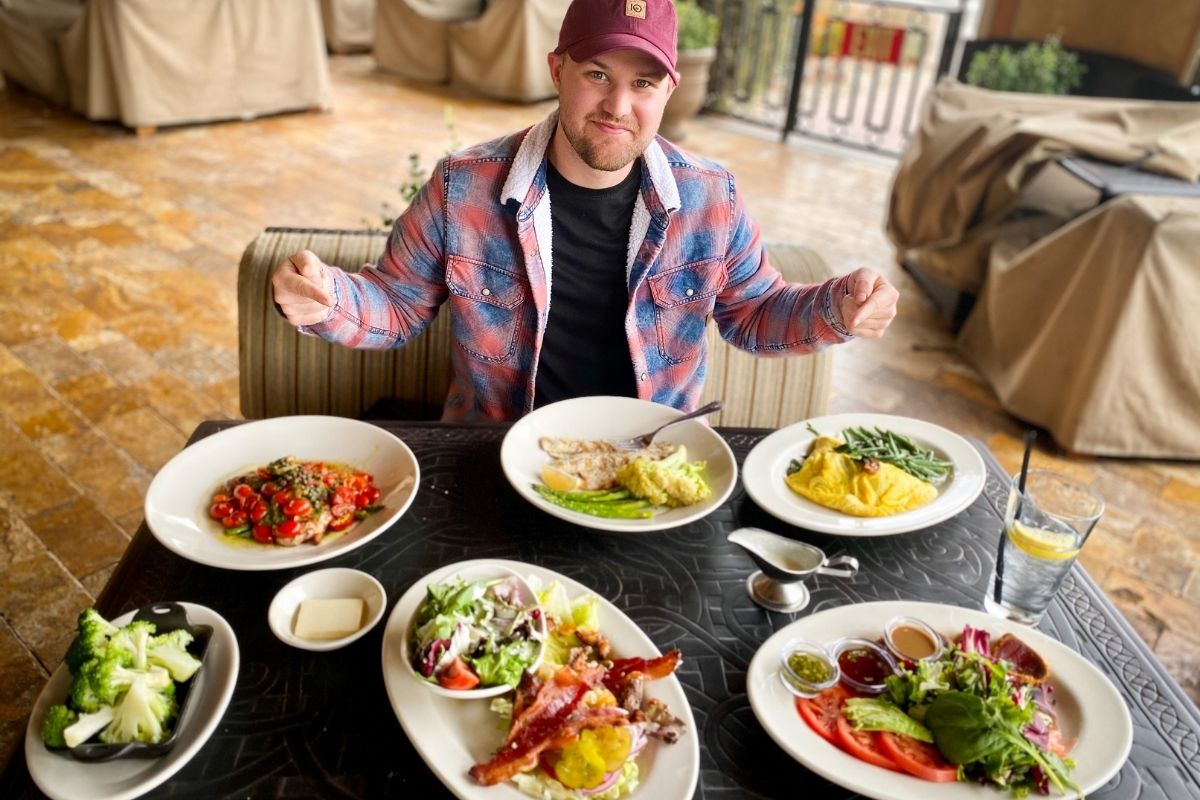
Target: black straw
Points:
x,y
1030,435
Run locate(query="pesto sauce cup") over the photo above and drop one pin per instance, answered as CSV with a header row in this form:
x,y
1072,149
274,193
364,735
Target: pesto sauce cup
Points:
x,y
804,679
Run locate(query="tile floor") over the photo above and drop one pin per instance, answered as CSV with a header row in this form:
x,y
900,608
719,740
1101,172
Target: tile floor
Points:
x,y
118,258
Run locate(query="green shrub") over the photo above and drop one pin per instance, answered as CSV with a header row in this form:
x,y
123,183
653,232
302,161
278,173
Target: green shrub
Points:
x,y
697,27
1044,68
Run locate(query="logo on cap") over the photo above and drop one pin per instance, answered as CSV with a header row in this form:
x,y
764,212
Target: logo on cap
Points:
x,y
635,8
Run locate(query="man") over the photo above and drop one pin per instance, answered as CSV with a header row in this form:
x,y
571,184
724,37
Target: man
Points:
x,y
605,290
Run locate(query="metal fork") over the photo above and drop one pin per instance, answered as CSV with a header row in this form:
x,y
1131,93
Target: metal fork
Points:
x,y
638,442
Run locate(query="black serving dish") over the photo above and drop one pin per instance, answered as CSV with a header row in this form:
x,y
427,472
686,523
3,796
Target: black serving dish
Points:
x,y
166,617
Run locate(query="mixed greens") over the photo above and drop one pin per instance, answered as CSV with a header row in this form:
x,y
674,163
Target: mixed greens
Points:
x,y
998,726
123,683
476,633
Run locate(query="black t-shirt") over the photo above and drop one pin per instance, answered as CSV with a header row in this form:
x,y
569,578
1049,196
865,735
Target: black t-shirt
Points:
x,y
586,350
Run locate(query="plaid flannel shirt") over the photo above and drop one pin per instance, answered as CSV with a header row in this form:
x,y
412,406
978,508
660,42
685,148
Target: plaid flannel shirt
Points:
x,y
477,239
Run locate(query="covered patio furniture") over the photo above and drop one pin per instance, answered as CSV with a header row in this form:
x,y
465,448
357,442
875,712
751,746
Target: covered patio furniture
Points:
x,y
412,37
349,25
1091,332
147,63
502,53
29,33
960,183
285,372
1079,312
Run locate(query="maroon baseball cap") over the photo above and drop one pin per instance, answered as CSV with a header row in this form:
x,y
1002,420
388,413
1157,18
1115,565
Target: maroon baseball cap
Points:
x,y
592,27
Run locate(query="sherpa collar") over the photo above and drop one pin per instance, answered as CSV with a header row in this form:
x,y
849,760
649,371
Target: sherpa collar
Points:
x,y
532,154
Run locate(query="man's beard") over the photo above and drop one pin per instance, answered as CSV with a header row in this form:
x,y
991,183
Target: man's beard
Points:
x,y
605,160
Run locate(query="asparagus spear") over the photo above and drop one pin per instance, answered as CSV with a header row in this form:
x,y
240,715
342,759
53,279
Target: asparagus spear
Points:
x,y
617,507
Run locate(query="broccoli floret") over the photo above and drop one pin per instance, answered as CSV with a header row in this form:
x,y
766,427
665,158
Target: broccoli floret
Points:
x,y
91,640
57,719
670,481
142,715
134,639
83,696
109,677
87,726
170,650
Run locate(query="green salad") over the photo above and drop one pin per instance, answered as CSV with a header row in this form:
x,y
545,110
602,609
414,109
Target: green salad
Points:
x,y
476,633
995,723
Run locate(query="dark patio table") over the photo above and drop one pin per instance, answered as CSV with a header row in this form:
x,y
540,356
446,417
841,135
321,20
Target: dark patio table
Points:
x,y
304,724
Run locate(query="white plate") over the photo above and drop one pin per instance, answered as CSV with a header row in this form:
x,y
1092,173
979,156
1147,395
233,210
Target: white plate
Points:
x,y
180,494
453,735
766,467
609,418
1089,706
63,778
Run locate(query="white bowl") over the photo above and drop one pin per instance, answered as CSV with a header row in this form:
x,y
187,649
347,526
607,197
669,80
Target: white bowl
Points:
x,y
332,583
178,499
416,597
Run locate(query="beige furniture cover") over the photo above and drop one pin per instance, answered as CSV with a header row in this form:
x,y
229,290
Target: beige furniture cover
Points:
x,y
502,54
349,24
964,169
284,372
412,37
29,32
164,62
1093,333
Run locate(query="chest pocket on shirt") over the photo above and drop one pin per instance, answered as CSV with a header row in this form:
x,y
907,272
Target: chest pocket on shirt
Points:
x,y
683,301
486,306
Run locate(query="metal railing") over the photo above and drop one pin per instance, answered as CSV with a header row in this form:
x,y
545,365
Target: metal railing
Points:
x,y
848,71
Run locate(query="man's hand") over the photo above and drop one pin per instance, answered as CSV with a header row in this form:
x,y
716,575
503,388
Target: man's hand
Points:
x,y
303,289
869,304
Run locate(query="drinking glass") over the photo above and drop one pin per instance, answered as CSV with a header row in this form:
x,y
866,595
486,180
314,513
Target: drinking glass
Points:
x,y
1045,527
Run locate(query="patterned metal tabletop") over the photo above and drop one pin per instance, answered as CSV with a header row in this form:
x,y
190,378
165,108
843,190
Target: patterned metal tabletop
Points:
x,y
307,724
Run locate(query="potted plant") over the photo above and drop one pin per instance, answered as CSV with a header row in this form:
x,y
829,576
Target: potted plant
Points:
x,y
1046,68
697,44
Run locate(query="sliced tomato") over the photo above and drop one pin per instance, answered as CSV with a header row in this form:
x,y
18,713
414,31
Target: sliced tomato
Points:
x,y
863,745
241,490
822,712
297,507
257,511
287,529
234,519
917,758
269,488
220,509
262,533
458,675
341,523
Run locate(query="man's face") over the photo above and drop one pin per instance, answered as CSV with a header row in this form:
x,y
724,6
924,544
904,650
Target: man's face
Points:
x,y
610,107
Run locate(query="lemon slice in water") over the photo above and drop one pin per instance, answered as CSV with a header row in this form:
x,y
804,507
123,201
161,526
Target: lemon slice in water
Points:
x,y
1043,544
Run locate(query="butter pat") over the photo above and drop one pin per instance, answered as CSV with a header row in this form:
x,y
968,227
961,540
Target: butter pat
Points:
x,y
329,618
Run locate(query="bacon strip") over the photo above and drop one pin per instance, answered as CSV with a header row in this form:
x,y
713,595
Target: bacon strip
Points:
x,y
550,716
654,669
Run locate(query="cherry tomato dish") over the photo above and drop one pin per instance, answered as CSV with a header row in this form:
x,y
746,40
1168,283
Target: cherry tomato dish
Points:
x,y
290,502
